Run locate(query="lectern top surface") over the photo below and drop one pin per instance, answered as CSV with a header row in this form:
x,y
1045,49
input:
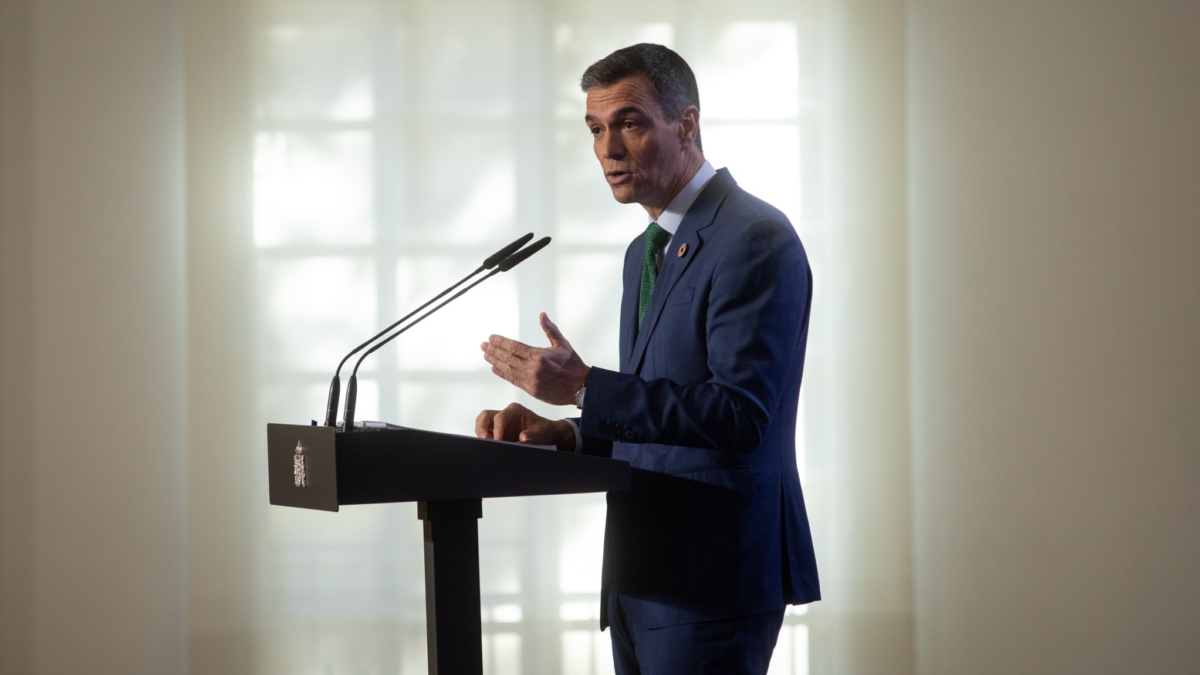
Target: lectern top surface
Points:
x,y
322,468
372,425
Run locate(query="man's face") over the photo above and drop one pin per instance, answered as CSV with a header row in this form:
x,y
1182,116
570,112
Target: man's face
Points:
x,y
641,153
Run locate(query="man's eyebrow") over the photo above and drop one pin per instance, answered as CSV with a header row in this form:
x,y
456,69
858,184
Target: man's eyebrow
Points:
x,y
623,111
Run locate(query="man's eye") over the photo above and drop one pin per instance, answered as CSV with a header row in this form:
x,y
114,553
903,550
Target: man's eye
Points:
x,y
630,125
595,131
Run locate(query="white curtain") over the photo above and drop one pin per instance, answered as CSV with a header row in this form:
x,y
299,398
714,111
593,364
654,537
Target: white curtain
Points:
x,y
376,152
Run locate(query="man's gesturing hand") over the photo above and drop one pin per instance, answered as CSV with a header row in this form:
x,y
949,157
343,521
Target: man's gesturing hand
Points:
x,y
552,375
519,424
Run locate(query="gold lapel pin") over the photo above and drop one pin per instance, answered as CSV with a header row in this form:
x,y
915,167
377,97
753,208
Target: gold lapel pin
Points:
x,y
682,250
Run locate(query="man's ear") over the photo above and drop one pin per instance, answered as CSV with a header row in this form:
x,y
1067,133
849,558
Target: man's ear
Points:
x,y
689,126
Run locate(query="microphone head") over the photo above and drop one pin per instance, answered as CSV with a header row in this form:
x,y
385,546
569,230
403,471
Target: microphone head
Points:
x,y
495,258
520,256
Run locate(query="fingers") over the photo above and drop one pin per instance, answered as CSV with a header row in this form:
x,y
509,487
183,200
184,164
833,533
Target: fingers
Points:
x,y
507,360
514,376
506,349
483,423
508,364
552,332
509,423
494,357
499,426
547,432
540,432
516,423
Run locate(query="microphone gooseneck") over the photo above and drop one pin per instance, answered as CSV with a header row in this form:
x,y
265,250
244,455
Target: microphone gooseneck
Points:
x,y
335,386
503,266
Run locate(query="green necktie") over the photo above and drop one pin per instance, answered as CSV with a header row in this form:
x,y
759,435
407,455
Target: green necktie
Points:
x,y
655,238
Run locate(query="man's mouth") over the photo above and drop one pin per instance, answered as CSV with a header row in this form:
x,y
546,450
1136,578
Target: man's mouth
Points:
x,y
617,177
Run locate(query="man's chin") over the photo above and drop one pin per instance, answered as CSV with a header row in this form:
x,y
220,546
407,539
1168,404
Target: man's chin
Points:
x,y
624,194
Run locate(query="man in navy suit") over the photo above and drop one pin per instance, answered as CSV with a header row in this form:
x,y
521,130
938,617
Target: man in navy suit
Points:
x,y
712,543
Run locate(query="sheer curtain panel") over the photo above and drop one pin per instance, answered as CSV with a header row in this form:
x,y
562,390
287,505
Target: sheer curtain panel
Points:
x,y
374,153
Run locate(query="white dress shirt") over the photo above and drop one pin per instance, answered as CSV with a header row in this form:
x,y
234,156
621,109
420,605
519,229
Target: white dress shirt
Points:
x,y
672,216
669,220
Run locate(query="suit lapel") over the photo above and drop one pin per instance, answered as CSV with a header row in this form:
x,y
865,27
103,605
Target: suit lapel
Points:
x,y
629,301
700,216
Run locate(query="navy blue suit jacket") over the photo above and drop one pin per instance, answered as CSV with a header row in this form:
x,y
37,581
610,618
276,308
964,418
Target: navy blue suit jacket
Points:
x,y
704,409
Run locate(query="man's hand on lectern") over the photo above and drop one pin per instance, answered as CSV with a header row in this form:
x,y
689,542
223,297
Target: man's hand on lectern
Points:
x,y
551,375
519,424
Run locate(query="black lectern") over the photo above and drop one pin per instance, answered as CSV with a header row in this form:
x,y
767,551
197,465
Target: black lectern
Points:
x,y
320,468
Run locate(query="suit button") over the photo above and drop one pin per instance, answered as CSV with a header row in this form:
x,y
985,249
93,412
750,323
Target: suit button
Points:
x,y
629,434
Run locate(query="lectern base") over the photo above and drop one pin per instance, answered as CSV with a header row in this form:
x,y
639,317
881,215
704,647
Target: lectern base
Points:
x,y
452,613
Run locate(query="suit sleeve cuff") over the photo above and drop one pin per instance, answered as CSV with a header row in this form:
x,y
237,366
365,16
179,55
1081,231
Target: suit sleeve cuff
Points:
x,y
609,398
578,437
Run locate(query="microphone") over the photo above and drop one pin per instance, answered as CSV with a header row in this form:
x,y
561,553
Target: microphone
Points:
x,y
335,386
504,266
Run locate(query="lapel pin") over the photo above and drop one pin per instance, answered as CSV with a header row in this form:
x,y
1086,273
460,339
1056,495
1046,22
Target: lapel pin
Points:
x,y
682,250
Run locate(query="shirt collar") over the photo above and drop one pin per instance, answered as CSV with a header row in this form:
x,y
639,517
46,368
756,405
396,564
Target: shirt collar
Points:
x,y
672,216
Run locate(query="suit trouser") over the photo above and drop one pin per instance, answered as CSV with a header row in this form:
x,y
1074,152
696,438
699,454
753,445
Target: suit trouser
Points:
x,y
738,646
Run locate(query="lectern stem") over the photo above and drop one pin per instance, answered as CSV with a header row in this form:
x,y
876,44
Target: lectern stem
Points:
x,y
452,585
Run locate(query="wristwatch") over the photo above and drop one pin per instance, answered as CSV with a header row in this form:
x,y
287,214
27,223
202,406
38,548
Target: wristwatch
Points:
x,y
579,397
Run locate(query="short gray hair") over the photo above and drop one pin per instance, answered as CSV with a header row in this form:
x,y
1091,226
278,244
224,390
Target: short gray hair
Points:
x,y
673,81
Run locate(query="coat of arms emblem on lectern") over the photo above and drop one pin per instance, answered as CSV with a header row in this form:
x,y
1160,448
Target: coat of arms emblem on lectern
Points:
x,y
298,466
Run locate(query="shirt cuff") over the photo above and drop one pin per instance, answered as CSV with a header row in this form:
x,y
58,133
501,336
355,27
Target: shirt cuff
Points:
x,y
578,436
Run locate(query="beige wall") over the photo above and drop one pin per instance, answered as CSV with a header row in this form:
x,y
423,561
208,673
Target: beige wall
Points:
x,y
1055,290
860,325
16,339
226,481
93,513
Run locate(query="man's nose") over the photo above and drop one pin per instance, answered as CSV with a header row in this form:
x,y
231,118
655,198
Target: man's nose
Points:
x,y
613,145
